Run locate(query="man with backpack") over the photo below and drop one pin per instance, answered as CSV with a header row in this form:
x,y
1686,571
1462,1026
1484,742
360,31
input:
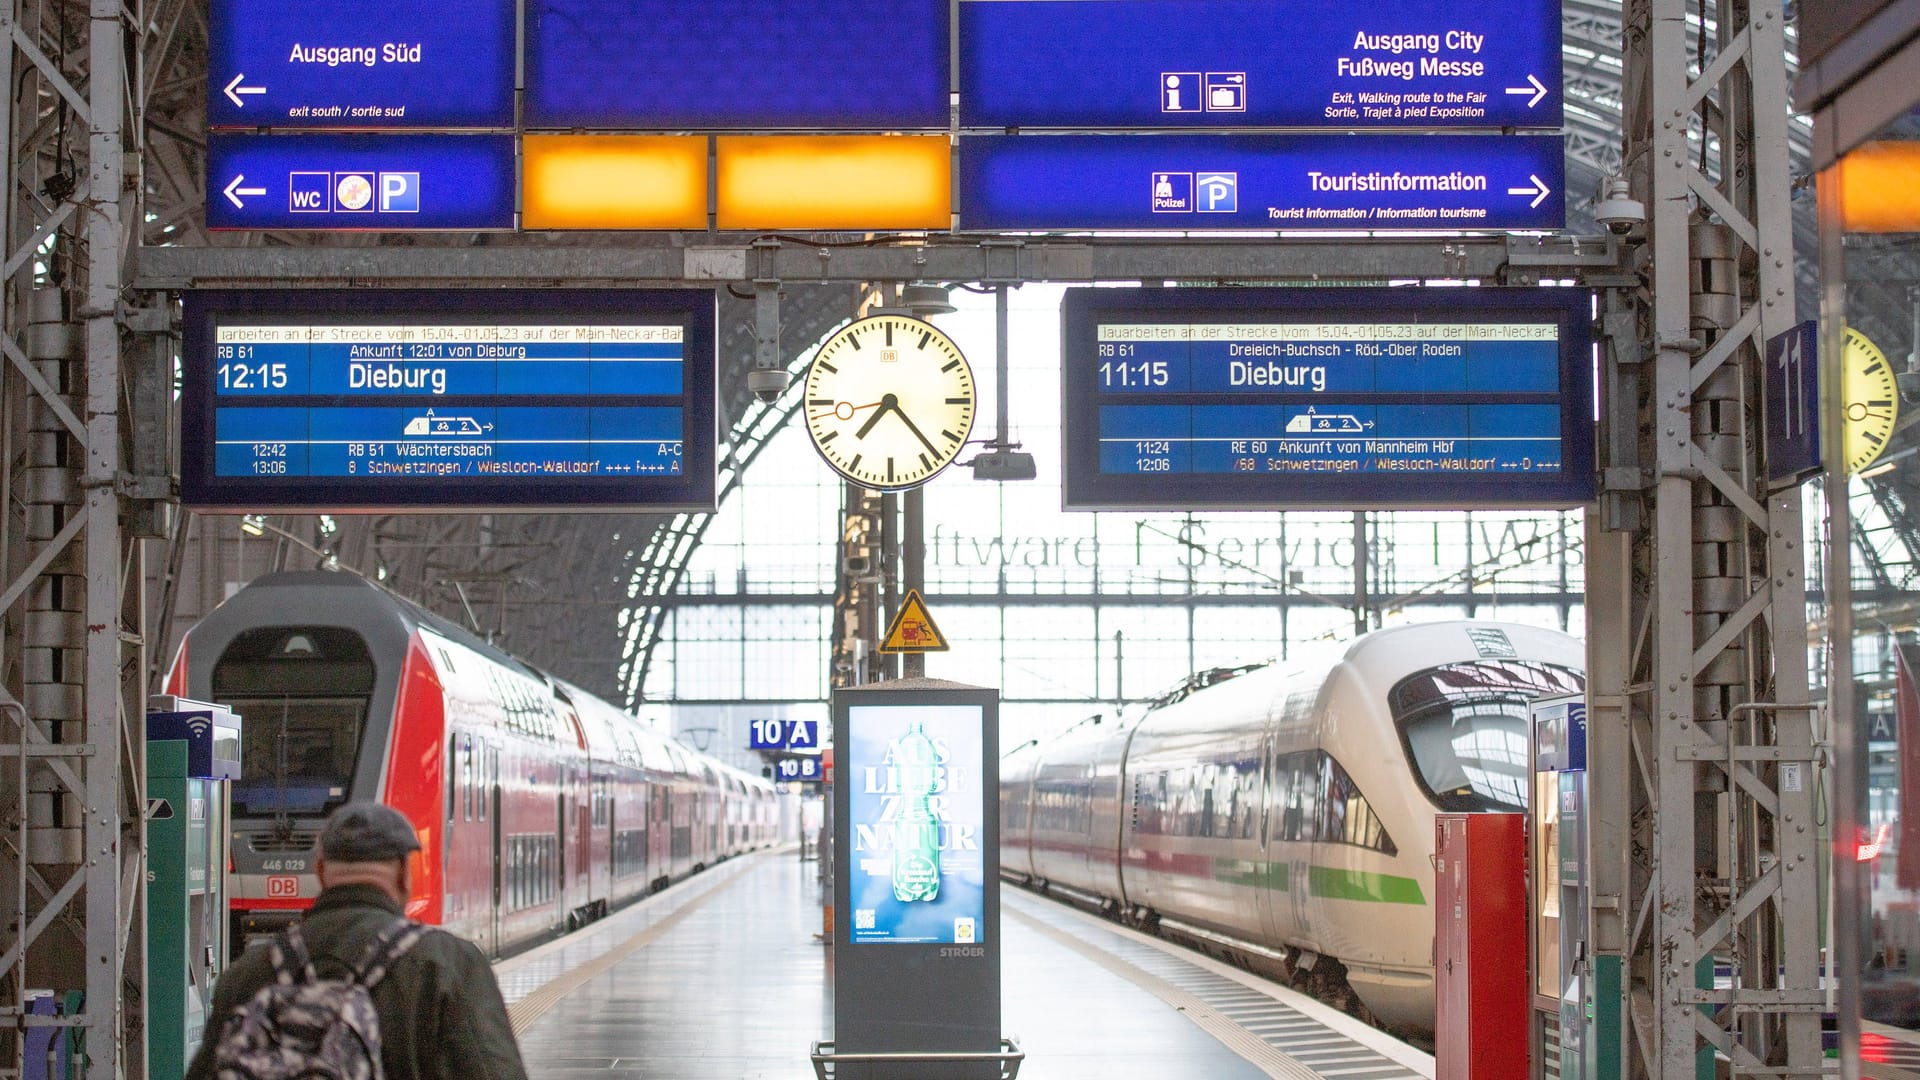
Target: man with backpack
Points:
x,y
355,990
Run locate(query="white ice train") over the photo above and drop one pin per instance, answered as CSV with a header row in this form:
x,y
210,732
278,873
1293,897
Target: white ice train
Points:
x,y
1283,816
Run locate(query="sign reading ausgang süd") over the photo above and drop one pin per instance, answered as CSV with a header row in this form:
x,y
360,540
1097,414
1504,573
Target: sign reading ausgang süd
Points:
x,y
374,182
360,64
1259,63
917,872
402,398
1289,182
1190,399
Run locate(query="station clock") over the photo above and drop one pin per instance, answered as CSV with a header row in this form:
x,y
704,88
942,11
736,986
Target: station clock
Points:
x,y
889,402
1870,399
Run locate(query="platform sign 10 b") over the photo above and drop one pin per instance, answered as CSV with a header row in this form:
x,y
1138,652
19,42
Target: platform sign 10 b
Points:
x,y
784,735
802,767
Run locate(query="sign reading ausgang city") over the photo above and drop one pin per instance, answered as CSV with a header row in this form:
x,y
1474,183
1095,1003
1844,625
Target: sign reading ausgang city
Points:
x,y
1193,399
360,64
403,398
1291,182
389,183
1259,63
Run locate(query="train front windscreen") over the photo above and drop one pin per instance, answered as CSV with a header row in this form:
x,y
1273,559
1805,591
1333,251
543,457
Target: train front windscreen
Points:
x,y
1464,727
302,694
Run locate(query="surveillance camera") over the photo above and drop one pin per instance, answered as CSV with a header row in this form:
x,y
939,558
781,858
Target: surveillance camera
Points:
x,y
1909,384
767,384
1619,211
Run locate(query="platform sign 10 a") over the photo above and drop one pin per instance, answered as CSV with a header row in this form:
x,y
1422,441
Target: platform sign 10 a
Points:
x,y
783,735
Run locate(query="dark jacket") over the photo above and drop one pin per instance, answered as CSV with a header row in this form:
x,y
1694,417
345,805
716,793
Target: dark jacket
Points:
x,y
441,1015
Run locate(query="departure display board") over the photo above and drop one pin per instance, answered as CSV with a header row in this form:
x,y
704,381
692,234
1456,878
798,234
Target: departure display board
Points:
x,y
360,64
392,399
1242,181
734,65
1419,64
1196,399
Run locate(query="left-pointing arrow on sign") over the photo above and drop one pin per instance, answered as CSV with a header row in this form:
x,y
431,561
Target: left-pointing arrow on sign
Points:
x,y
233,191
234,90
1539,191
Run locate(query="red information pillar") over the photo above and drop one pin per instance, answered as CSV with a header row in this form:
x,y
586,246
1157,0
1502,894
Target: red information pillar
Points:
x,y
1480,947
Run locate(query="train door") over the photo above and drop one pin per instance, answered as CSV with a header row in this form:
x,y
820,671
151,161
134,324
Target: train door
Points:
x,y
560,863
495,807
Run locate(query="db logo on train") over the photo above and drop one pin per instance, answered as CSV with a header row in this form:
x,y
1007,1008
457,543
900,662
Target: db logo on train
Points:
x,y
283,887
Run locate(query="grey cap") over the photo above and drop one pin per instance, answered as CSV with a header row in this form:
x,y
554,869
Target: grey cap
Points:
x,y
367,832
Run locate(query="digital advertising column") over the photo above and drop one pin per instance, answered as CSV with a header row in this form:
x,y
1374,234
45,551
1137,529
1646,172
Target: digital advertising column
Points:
x,y
916,880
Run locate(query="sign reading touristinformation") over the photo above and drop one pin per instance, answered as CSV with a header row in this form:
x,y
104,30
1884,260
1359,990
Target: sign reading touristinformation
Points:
x,y
770,65
1239,182
401,398
916,869
1191,399
360,65
1396,64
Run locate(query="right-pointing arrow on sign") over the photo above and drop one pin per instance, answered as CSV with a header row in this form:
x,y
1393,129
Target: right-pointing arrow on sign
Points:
x,y
1539,191
233,191
1535,87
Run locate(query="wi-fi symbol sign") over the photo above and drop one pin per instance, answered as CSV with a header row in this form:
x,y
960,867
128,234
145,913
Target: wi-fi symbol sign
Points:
x,y
199,725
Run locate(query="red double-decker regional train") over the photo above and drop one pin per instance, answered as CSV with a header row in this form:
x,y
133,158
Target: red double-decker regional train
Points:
x,y
538,805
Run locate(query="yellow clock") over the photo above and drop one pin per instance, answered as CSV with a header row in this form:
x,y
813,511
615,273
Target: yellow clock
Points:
x,y
889,402
1869,398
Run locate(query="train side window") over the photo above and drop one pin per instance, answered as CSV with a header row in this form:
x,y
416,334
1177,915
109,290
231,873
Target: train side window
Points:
x,y
1349,818
453,778
466,782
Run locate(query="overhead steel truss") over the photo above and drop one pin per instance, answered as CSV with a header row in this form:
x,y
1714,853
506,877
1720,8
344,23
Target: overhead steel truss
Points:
x,y
1704,845
1691,559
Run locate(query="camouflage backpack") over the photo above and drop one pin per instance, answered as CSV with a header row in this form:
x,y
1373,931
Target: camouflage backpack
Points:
x,y
303,1026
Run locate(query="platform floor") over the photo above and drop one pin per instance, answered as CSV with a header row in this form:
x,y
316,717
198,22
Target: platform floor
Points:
x,y
722,978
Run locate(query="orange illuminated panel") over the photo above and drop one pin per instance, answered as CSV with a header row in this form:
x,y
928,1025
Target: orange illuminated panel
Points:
x,y
613,182
848,182
1880,188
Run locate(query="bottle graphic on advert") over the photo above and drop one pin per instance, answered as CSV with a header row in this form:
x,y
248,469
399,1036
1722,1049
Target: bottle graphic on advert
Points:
x,y
916,831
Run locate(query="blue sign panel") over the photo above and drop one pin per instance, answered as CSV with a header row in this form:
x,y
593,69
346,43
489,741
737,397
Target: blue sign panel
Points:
x,y
668,65
1294,182
805,768
386,183
1259,63
401,398
360,64
918,824
1194,399
1792,384
783,735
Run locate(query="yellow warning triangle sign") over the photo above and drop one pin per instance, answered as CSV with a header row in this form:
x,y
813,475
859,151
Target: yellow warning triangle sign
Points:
x,y
912,629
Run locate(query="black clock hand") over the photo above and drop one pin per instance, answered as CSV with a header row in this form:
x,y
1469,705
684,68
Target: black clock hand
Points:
x,y
886,402
915,428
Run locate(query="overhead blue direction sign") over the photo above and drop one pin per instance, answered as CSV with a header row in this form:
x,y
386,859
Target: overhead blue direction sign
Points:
x,y
360,64
374,182
1407,64
670,65
1293,182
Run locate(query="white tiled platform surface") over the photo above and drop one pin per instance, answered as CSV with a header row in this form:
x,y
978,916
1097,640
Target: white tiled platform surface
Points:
x,y
722,978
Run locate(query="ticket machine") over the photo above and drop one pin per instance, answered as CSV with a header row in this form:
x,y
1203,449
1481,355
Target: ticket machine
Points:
x,y
193,752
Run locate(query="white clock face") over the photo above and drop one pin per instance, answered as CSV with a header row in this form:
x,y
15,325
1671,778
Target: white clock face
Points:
x,y
889,402
1871,398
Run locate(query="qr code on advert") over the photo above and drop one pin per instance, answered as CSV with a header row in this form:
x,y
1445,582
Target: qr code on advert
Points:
x,y
863,918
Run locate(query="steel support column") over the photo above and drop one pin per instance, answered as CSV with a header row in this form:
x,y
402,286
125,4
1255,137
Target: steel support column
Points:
x,y
1718,846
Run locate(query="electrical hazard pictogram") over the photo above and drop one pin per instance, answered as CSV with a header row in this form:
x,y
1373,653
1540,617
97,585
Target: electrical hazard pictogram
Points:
x,y
912,629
